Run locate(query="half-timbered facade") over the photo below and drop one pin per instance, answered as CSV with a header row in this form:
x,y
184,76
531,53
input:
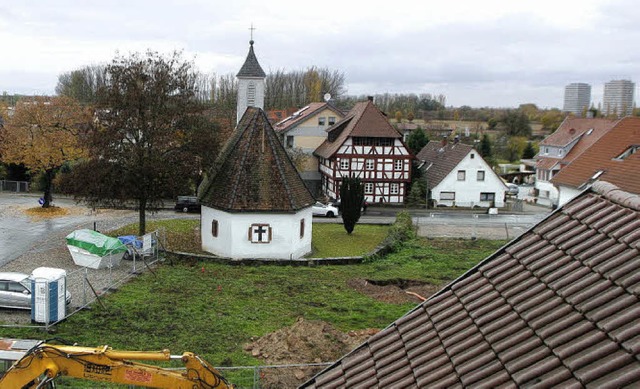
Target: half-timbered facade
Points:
x,y
365,145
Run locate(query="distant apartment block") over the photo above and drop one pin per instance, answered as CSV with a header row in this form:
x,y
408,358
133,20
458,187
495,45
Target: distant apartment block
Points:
x,y
577,98
618,98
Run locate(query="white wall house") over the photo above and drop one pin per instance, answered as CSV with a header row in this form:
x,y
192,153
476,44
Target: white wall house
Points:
x,y
457,175
256,235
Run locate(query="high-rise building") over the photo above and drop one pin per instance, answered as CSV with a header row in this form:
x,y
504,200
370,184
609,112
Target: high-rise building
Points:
x,y
618,98
577,98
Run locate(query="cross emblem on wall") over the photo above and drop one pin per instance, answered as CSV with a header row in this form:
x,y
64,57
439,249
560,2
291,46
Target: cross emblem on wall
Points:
x,y
260,233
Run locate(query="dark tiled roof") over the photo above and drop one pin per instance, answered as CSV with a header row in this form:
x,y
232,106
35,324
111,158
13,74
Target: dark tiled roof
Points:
x,y
602,156
572,128
364,120
253,172
251,67
303,114
556,307
441,160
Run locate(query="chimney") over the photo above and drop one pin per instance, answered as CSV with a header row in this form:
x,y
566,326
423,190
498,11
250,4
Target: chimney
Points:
x,y
370,98
456,139
444,141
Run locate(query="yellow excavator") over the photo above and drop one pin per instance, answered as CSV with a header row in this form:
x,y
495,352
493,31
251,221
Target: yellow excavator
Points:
x,y
44,362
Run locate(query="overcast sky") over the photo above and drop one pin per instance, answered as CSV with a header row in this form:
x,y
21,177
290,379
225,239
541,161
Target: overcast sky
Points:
x,y
497,53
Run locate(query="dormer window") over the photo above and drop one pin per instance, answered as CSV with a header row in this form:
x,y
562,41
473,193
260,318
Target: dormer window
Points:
x,y
628,152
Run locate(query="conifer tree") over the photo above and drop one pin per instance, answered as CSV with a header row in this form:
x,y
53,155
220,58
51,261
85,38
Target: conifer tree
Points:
x,y
351,200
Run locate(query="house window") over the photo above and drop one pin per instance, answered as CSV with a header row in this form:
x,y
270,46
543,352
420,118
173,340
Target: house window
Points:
x,y
344,164
472,156
251,95
370,164
462,175
260,233
546,150
368,187
289,141
301,228
395,188
398,164
214,228
480,175
447,195
560,152
487,196
332,120
321,120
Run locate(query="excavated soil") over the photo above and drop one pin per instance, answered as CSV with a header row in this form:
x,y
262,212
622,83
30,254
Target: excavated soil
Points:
x,y
308,342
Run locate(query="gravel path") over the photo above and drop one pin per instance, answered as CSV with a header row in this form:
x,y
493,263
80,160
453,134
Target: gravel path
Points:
x,y
52,251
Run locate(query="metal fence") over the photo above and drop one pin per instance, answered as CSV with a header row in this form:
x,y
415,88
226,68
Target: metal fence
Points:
x,y
14,186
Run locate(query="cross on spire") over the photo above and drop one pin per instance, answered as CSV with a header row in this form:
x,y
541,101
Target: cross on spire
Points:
x,y
252,28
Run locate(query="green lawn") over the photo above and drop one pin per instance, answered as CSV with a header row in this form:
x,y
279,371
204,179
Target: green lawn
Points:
x,y
329,239
214,309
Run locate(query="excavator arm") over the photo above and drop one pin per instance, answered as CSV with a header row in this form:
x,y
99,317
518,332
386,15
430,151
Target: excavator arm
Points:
x,y
45,362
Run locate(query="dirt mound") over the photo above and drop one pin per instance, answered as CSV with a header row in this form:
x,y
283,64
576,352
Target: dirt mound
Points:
x,y
397,291
303,342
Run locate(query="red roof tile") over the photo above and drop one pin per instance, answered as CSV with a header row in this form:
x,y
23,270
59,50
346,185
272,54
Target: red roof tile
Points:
x,y
602,156
364,120
303,114
545,310
573,128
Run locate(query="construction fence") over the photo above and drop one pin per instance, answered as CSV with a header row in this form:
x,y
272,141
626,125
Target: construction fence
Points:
x,y
88,285
14,186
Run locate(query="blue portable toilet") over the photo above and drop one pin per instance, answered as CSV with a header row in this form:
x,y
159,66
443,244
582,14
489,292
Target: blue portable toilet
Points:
x,y
48,295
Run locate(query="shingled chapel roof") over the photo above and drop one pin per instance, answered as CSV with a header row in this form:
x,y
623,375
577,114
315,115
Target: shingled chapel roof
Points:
x,y
253,172
251,67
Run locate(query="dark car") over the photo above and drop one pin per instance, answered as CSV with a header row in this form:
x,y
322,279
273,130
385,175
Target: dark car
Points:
x,y
187,204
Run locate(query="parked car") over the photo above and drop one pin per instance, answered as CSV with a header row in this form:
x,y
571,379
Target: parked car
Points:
x,y
338,204
327,210
15,291
187,204
512,189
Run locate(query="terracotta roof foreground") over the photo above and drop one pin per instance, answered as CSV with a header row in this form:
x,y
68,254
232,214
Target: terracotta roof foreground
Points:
x,y
556,307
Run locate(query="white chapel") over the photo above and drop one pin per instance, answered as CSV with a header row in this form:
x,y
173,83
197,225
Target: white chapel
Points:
x,y
254,203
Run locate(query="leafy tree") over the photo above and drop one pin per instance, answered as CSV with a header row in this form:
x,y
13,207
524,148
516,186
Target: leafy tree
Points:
x,y
515,147
82,84
410,116
416,193
150,136
485,147
551,120
417,140
43,134
398,116
529,151
515,123
351,200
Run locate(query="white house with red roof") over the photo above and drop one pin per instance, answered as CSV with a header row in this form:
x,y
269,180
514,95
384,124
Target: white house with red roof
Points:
x,y
364,144
573,136
614,157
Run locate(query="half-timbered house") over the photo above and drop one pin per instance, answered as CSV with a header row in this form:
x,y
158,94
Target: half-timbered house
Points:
x,y
365,145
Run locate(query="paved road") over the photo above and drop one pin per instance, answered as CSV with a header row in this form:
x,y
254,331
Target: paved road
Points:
x,y
19,233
